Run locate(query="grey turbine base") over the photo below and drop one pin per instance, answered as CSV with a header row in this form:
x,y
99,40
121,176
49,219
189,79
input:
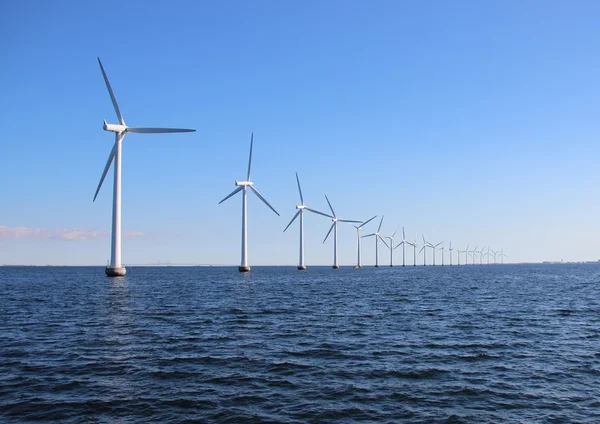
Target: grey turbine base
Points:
x,y
243,268
115,272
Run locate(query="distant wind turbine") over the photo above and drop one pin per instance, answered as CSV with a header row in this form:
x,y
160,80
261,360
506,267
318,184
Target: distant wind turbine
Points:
x,y
450,251
333,227
377,238
424,249
301,208
442,249
391,247
502,256
404,242
494,253
243,186
358,228
466,252
115,268
434,247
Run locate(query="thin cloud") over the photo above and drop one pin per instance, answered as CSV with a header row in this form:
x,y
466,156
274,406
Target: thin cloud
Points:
x,y
75,234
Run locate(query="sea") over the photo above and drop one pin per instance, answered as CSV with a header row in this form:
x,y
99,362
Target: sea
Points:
x,y
444,344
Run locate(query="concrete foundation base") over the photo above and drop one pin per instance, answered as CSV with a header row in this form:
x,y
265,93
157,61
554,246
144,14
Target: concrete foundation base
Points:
x,y
357,266
115,272
376,266
302,267
335,266
243,268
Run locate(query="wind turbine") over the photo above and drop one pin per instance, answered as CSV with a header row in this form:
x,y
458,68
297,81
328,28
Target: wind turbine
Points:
x,y
301,208
450,251
333,227
243,186
404,242
502,256
424,249
481,256
433,247
466,251
473,252
442,249
115,268
494,253
358,228
391,247
377,237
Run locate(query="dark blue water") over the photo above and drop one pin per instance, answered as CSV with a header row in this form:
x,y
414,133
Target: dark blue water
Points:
x,y
505,343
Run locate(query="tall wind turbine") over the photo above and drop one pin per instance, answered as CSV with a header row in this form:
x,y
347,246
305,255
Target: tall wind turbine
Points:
x,y
377,237
466,251
404,242
414,245
301,208
450,251
424,249
358,228
442,249
391,247
502,256
115,268
481,256
473,253
434,247
243,186
494,253
333,227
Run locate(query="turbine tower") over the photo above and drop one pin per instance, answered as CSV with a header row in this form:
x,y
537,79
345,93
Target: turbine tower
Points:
x,y
301,208
424,249
404,242
442,249
358,228
450,251
333,227
115,268
377,237
391,246
434,247
243,186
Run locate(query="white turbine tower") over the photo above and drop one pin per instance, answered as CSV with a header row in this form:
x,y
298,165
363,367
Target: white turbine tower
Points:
x,y
391,246
442,249
358,228
404,242
474,254
466,252
243,186
494,253
450,251
333,227
301,208
433,248
424,250
377,237
115,268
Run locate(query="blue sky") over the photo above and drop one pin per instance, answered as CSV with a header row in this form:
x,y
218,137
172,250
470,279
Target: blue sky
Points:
x,y
469,121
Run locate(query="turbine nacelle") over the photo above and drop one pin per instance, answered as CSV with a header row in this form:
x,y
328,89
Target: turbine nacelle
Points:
x,y
116,128
243,183
300,207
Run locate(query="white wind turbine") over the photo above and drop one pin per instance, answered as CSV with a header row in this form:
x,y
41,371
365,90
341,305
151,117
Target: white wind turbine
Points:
x,y
442,249
450,251
404,242
424,250
358,228
115,268
377,237
433,248
243,186
301,208
466,251
414,245
391,246
494,253
481,254
502,256
333,227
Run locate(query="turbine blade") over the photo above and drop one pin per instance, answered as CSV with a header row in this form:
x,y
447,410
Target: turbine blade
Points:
x,y
293,219
250,159
438,243
299,189
398,245
328,232
403,236
332,211
368,235
237,190
348,220
263,199
380,222
394,235
366,222
450,244
386,245
424,242
421,249
143,130
107,166
317,212
112,95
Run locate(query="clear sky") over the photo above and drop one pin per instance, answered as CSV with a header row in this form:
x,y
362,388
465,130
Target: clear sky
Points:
x,y
470,121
